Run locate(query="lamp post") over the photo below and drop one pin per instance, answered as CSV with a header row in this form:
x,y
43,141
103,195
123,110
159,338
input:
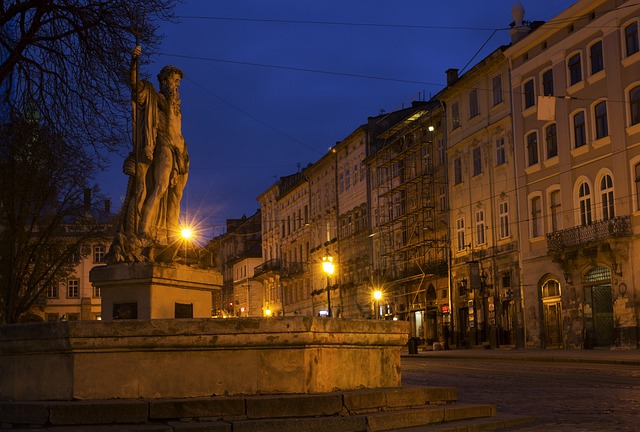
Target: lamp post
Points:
x,y
328,267
377,295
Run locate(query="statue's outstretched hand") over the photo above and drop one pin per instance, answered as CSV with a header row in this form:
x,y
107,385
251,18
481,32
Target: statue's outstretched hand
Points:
x,y
137,51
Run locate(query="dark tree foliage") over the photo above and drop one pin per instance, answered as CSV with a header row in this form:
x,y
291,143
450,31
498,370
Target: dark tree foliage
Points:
x,y
64,107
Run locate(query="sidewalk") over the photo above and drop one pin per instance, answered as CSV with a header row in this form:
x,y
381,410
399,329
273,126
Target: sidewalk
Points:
x,y
606,356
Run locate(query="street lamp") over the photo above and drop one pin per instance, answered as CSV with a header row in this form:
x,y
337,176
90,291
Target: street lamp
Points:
x,y
328,267
377,295
186,234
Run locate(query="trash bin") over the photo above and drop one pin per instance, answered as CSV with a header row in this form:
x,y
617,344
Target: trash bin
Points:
x,y
413,345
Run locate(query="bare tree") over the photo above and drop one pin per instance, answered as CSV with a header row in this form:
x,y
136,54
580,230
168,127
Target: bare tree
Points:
x,y
64,107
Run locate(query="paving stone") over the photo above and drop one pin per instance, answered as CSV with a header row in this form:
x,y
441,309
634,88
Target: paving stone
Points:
x,y
294,406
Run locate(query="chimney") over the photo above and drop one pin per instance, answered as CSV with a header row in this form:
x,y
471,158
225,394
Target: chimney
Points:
x,y
452,76
87,198
107,206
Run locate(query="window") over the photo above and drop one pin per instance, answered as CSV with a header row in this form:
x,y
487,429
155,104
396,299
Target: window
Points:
x,y
631,39
606,194
555,207
634,105
97,293
597,61
497,89
600,111
536,217
547,83
579,130
584,197
503,217
575,69
551,140
73,288
551,288
480,227
457,171
455,115
637,182
501,155
460,234
52,291
529,94
477,161
442,197
473,103
532,148
98,254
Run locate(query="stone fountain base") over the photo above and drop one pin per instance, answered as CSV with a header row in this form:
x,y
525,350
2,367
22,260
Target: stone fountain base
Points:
x,y
168,358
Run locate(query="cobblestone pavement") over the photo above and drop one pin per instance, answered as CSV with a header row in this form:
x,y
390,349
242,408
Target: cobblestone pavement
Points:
x,y
568,391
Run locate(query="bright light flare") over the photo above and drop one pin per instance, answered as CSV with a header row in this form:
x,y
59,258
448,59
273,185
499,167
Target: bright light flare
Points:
x,y
377,294
186,233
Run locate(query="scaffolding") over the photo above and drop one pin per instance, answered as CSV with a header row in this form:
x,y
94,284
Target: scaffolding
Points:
x,y
409,207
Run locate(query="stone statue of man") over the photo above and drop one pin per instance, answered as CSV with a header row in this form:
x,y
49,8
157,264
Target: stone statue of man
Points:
x,y
149,228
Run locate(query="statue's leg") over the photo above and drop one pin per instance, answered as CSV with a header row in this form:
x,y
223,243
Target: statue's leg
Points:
x,y
162,171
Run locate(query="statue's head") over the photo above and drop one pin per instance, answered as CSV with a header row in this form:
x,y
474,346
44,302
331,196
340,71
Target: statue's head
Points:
x,y
167,71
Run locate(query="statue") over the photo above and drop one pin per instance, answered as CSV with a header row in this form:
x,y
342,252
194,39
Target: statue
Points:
x,y
157,168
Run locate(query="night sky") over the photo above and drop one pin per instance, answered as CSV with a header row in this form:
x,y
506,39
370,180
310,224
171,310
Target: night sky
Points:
x,y
270,86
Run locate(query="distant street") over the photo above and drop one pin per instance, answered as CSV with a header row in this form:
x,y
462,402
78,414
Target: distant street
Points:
x,y
562,396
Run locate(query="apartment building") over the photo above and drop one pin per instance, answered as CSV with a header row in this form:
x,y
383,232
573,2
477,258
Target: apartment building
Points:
x,y
575,82
484,244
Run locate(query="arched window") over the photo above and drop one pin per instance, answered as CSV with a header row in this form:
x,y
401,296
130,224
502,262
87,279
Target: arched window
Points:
x,y
584,197
602,125
551,139
532,148
606,194
550,288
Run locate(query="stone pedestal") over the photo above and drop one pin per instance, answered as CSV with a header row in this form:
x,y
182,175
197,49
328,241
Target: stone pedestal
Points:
x,y
155,291
161,359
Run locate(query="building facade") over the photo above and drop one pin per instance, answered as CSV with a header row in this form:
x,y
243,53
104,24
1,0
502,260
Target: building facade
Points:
x,y
576,89
484,235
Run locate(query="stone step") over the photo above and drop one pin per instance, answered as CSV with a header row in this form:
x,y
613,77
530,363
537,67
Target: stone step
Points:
x,y
353,411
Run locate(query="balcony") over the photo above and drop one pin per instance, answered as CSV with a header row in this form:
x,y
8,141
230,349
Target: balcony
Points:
x,y
274,265
562,241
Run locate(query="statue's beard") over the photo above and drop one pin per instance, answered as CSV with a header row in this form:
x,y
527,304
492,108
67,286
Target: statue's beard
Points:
x,y
172,96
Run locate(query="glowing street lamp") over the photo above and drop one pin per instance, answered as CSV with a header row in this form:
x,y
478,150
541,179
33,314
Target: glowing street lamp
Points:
x,y
186,233
328,267
377,295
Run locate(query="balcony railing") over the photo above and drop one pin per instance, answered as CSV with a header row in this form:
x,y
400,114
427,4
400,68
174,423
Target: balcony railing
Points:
x,y
273,265
559,241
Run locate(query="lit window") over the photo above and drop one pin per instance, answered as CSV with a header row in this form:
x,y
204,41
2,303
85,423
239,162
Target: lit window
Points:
x,y
98,254
73,288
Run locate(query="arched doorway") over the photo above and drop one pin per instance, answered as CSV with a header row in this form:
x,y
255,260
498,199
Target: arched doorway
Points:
x,y
552,312
598,311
